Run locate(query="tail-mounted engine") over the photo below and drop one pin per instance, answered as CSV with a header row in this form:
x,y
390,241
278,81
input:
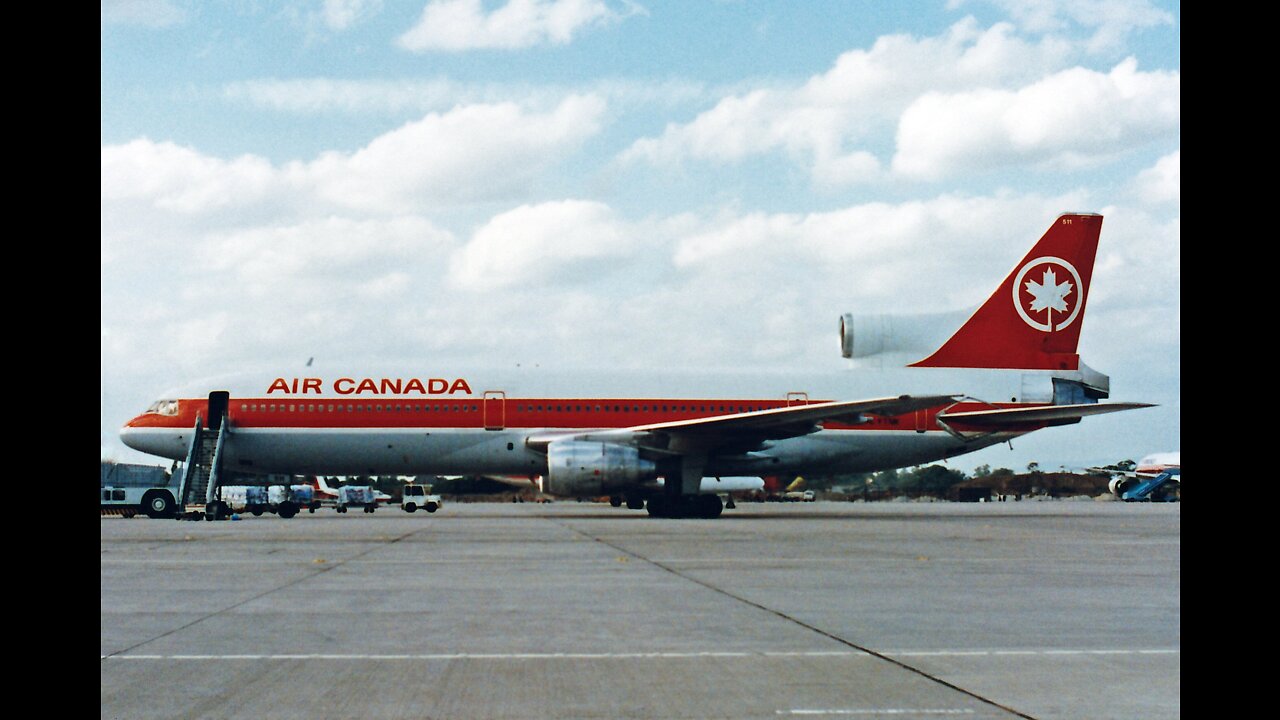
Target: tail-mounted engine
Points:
x,y
914,336
575,467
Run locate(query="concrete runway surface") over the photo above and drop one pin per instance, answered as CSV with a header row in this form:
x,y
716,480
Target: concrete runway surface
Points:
x,y
1033,609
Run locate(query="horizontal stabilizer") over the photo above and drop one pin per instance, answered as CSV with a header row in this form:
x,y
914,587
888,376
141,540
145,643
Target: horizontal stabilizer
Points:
x,y
1036,415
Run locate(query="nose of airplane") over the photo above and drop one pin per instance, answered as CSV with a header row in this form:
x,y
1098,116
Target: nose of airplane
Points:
x,y
129,436
144,439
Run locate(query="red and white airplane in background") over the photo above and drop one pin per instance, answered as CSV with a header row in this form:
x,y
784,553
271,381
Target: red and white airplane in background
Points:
x,y
1156,463
1010,369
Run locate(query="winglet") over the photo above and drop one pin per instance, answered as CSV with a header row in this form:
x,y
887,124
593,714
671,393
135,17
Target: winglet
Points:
x,y
1032,321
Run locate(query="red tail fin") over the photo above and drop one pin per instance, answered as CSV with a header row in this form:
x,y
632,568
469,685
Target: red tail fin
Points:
x,y
1032,321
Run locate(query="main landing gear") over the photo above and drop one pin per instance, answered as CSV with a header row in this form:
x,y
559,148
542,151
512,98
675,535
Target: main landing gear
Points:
x,y
685,506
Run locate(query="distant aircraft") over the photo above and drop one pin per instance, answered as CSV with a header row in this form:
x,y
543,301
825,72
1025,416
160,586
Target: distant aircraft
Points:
x,y
1156,463
1155,476
1010,369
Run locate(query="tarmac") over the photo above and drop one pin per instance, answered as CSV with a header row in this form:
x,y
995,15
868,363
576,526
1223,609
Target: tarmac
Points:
x,y
1032,609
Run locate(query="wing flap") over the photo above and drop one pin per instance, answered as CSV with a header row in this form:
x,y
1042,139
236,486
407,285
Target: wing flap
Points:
x,y
775,424
1014,417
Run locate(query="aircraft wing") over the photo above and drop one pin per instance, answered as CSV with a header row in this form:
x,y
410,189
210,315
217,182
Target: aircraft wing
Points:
x,y
1047,414
748,429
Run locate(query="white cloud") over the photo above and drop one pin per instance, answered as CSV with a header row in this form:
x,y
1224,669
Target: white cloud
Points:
x,y
315,95
1162,183
1110,20
327,95
181,179
342,14
471,153
1070,119
147,13
532,242
317,256
455,25
879,253
822,121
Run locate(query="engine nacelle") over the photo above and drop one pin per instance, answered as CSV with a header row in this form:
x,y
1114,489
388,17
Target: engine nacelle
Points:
x,y
915,335
1119,484
575,467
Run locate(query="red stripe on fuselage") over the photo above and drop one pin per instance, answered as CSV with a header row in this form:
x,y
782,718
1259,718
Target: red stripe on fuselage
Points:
x,y
478,413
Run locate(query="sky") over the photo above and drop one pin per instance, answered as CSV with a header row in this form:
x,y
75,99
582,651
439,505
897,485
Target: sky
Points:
x,y
628,184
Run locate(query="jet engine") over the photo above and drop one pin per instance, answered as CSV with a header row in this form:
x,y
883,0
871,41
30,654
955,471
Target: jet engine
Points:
x,y
575,467
1119,484
915,335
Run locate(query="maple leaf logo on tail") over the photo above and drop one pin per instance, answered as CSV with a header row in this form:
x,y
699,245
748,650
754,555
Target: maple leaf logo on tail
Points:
x,y
1038,301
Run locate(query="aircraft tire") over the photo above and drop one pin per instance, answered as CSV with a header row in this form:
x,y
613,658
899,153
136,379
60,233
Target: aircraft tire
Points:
x,y
615,501
708,506
158,505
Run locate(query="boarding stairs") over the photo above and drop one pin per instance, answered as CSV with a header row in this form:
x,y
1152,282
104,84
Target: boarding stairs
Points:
x,y
1145,490
203,477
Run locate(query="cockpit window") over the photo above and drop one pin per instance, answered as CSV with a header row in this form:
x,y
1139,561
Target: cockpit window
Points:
x,y
164,407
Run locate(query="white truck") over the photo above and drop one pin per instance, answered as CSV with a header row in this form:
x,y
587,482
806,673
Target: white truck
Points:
x,y
419,496
358,496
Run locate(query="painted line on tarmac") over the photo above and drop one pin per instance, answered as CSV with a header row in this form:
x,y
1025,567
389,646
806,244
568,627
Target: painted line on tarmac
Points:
x,y
633,655
879,711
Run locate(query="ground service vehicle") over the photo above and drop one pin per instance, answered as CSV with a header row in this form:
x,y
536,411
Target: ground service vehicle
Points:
x,y
418,496
357,496
131,489
287,500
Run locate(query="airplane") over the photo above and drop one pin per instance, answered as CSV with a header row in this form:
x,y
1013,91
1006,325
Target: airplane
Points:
x,y
1010,369
1156,463
1157,476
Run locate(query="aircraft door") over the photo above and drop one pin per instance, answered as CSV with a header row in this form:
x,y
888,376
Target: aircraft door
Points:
x,y
797,398
495,409
218,402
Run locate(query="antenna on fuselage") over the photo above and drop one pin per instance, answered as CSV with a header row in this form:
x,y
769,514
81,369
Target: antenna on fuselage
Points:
x,y
313,357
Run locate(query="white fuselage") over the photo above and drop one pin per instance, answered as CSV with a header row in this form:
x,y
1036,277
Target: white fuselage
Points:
x,y
478,423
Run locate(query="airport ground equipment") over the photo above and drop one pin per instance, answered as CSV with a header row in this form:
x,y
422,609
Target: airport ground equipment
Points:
x,y
419,496
1164,486
287,500
356,496
257,499
130,489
